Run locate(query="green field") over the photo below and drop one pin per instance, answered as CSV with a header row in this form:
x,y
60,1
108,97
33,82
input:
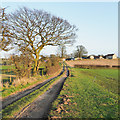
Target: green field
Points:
x,y
6,67
88,93
6,71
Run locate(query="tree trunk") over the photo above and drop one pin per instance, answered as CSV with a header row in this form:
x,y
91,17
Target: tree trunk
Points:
x,y
36,65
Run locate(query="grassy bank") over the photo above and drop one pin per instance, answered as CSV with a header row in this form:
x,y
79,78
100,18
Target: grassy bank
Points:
x,y
11,83
25,83
88,93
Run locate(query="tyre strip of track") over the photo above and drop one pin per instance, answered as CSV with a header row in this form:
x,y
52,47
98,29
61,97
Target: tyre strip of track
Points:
x,y
11,99
41,106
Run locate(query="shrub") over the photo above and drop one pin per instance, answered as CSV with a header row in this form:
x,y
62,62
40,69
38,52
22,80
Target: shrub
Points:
x,y
23,65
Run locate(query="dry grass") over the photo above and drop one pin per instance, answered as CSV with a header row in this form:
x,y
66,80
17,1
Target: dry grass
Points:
x,y
23,81
110,62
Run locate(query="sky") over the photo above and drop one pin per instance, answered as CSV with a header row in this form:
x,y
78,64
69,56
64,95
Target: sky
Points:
x,y
97,23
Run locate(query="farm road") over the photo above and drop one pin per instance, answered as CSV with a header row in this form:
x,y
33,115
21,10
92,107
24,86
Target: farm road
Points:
x,y
41,106
13,98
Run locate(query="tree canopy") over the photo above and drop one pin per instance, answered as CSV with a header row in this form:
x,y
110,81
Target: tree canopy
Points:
x,y
81,50
61,51
4,40
32,29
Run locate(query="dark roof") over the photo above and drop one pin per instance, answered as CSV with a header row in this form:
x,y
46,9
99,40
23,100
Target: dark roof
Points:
x,y
93,55
109,55
96,56
100,55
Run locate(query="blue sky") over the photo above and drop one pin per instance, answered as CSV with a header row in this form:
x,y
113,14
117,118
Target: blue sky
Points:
x,y
97,23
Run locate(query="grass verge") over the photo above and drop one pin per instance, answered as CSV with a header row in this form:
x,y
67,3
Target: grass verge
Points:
x,y
84,96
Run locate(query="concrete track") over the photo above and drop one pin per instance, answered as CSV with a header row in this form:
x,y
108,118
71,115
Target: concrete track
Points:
x,y
41,106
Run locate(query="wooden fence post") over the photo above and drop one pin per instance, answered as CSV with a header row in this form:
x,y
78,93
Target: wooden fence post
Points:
x,y
42,72
10,78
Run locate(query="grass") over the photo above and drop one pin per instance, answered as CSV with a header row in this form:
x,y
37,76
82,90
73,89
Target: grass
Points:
x,y
6,73
5,67
15,108
6,91
107,78
88,93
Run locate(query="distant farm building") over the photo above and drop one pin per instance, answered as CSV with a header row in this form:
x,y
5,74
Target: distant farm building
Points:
x,y
101,57
70,59
110,56
98,57
78,58
90,57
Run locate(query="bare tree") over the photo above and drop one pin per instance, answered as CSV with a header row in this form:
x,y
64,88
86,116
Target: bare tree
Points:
x,y
61,50
4,41
31,30
81,50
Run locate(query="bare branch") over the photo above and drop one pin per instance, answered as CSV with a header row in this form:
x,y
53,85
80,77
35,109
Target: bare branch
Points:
x,y
31,30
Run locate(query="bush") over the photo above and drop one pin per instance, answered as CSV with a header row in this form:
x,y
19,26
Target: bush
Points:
x,y
23,65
